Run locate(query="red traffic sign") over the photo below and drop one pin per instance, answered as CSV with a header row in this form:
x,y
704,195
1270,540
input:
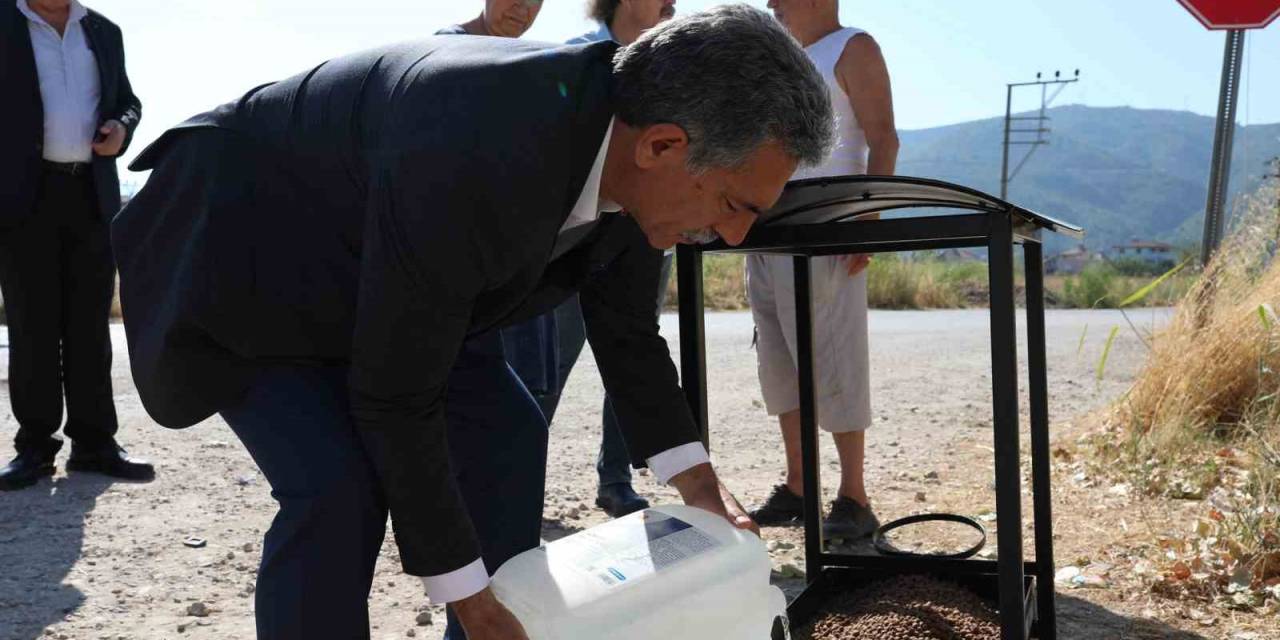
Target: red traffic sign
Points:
x,y
1233,14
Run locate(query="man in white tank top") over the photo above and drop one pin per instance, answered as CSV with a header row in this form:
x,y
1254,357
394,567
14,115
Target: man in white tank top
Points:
x,y
851,63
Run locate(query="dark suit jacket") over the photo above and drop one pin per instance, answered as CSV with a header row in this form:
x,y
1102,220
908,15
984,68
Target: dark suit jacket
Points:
x,y
22,111
377,210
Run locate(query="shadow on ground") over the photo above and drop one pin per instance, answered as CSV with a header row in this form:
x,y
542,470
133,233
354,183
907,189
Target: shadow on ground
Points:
x,y
1083,620
36,554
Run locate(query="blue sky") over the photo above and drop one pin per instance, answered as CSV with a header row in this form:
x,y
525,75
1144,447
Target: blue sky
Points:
x,y
949,59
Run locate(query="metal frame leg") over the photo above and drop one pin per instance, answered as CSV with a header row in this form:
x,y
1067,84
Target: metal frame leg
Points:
x,y
808,422
1004,388
1042,502
693,355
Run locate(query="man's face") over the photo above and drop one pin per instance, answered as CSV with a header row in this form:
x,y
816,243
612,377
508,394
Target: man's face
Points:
x,y
510,18
789,11
648,13
673,206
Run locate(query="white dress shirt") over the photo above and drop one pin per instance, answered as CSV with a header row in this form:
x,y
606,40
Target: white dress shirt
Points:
x,y
469,580
69,85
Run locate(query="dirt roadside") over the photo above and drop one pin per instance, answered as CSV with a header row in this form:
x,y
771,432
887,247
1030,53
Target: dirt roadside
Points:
x,y
85,558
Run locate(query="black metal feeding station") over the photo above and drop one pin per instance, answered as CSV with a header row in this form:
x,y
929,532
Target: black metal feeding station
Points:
x,y
814,218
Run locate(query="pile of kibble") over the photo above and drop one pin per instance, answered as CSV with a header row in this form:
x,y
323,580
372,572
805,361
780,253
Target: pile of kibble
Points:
x,y
905,608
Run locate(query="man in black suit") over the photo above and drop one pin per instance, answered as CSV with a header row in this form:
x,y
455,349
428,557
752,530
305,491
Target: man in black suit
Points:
x,y
323,263
69,101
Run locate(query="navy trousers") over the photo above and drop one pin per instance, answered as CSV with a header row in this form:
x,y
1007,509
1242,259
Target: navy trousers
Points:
x,y
543,350
319,554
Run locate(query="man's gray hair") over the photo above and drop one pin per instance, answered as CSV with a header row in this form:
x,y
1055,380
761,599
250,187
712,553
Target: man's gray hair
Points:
x,y
733,79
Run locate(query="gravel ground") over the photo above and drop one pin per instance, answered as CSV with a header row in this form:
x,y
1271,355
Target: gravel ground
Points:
x,y
81,557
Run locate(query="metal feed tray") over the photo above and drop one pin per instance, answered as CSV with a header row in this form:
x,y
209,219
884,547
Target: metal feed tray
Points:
x,y
819,217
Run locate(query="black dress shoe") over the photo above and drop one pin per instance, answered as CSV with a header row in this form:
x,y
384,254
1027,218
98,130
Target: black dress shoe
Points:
x,y
112,462
783,508
619,499
24,471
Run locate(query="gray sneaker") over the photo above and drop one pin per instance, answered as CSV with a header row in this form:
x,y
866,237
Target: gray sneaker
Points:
x,y
849,520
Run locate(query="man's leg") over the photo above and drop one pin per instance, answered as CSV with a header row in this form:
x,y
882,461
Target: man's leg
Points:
x,y
318,556
851,447
532,350
844,407
613,464
30,276
89,280
789,423
571,335
498,453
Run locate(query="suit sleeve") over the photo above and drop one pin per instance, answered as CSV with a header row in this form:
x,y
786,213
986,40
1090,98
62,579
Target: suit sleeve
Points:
x,y
619,309
128,108
417,286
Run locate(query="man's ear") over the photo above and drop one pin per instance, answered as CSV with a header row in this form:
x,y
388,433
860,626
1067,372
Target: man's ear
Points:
x,y
661,144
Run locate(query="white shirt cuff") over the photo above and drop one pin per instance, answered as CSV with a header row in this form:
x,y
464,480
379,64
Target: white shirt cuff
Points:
x,y
457,584
676,459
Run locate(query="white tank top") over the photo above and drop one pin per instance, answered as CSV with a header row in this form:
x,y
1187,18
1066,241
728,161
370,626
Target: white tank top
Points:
x,y
850,153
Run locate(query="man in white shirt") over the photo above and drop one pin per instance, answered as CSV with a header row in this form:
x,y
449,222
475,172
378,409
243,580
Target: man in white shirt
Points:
x,y
68,99
866,143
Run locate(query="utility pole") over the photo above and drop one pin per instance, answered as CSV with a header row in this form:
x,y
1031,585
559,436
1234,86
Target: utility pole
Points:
x,y
1223,134
1039,127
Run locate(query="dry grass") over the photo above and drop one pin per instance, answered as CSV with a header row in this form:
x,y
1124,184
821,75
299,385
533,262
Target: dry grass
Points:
x,y
1202,420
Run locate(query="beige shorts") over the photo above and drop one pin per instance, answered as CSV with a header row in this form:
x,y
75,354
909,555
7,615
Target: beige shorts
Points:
x,y
841,377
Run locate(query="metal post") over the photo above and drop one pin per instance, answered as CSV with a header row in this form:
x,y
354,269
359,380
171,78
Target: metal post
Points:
x,y
1223,135
808,422
693,355
1004,389
1042,501
1004,163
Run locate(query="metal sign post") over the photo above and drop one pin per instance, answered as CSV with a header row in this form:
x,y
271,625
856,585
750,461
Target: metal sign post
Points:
x,y
1223,136
1234,17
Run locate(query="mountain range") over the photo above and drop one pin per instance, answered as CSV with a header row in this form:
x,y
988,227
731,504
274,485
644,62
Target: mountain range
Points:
x,y
1120,172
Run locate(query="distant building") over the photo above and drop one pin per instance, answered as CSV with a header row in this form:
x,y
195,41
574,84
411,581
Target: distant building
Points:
x,y
1144,250
1071,261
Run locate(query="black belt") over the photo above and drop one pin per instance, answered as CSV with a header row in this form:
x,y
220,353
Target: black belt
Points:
x,y
68,168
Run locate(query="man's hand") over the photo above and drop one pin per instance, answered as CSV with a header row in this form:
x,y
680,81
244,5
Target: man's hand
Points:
x,y
484,618
856,263
700,487
110,139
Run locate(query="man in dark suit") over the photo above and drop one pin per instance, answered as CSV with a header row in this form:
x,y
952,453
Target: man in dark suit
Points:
x,y
69,101
323,263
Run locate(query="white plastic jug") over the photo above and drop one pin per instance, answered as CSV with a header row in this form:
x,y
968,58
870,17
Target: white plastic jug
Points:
x,y
666,573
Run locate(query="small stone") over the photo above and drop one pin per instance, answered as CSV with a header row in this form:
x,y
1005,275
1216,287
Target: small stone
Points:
x,y
411,633
248,547
198,610
920,497
194,542
790,570
182,628
423,619
932,475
